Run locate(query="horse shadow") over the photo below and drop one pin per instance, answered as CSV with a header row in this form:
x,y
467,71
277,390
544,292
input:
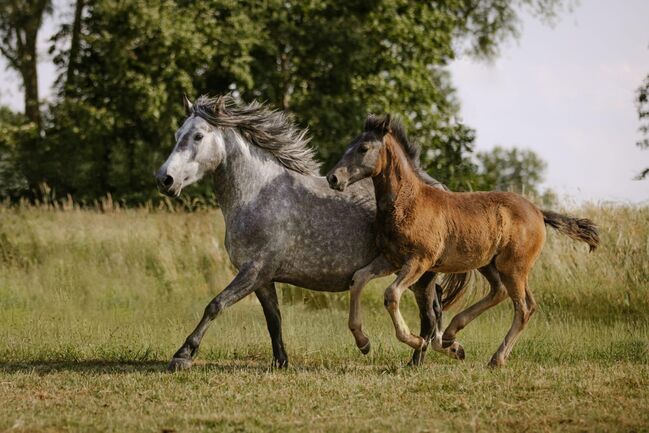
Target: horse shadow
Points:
x,y
118,367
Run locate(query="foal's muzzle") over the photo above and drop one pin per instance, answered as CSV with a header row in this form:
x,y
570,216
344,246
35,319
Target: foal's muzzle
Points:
x,y
335,182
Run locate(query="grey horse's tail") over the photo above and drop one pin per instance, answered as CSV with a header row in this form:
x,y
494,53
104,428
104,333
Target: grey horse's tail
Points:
x,y
454,288
579,229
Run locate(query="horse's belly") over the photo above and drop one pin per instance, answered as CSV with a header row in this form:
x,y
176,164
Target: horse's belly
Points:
x,y
325,262
465,258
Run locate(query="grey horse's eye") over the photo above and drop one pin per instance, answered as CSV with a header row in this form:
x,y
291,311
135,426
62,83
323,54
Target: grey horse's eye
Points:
x,y
363,148
198,136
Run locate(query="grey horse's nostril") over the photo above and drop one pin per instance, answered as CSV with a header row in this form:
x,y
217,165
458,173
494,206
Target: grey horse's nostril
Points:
x,y
168,181
333,180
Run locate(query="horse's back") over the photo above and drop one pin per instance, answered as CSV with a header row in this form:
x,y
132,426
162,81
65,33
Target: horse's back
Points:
x,y
481,225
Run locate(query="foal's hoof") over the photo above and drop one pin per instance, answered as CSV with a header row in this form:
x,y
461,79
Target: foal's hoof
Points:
x,y
459,352
178,364
453,350
366,348
496,362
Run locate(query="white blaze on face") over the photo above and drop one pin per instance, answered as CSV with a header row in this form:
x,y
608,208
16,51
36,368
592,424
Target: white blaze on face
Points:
x,y
199,149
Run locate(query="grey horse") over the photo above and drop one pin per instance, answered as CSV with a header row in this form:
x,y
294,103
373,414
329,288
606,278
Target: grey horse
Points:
x,y
283,222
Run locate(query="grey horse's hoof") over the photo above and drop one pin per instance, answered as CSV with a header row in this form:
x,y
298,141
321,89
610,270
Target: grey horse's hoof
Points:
x,y
178,364
366,348
280,363
416,360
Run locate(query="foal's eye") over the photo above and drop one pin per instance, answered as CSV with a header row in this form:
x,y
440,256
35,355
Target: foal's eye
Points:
x,y
363,149
198,136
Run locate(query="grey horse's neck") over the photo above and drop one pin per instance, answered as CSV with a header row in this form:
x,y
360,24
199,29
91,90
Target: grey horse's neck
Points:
x,y
245,171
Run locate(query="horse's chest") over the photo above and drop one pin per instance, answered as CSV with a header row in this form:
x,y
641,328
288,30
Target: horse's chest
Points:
x,y
394,242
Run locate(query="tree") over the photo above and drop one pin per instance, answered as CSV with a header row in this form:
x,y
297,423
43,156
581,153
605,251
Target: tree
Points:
x,y
109,130
509,170
20,22
12,126
75,40
331,63
642,103
327,62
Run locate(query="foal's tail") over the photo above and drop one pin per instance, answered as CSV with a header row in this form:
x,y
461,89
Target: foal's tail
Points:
x,y
579,229
454,287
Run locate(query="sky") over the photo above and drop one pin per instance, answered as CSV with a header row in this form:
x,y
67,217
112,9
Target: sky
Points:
x,y
567,93
564,91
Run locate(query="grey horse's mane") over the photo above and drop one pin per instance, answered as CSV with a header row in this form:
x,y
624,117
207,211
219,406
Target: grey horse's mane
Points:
x,y
382,124
264,127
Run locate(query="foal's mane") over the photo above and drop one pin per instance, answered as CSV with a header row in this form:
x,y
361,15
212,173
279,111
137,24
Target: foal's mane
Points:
x,y
380,125
264,127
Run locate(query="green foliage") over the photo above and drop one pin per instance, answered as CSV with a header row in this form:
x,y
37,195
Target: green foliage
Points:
x,y
509,170
116,124
327,62
14,129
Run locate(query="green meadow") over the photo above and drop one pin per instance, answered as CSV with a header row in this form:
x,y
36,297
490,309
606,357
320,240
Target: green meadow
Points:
x,y
94,303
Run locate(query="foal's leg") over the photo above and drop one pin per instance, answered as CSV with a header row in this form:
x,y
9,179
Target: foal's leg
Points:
x,y
250,278
408,275
379,267
267,296
455,349
517,288
430,313
496,295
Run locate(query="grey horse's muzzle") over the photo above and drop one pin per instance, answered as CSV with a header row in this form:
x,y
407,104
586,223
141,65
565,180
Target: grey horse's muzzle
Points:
x,y
164,182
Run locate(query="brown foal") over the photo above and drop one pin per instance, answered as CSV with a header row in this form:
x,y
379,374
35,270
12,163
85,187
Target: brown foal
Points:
x,y
421,228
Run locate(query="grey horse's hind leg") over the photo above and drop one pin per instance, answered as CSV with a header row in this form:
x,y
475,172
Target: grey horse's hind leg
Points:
x,y
267,296
427,294
248,280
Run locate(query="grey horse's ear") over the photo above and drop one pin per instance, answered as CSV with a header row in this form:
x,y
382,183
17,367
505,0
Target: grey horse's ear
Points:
x,y
187,104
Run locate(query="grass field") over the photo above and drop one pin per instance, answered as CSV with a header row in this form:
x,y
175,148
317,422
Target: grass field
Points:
x,y
93,305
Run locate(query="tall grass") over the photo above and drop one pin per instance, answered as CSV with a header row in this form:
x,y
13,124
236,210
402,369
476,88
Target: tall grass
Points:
x,y
94,302
73,264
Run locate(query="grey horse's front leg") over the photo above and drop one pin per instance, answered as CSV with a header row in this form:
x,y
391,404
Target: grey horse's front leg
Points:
x,y
267,296
249,279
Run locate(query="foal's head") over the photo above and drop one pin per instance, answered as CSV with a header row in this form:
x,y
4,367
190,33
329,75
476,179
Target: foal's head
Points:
x,y
366,156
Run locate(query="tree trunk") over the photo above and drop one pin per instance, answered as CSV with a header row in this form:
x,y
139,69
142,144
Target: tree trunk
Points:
x,y
74,47
29,72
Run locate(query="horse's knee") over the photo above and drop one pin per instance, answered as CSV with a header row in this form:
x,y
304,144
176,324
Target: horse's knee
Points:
x,y
498,294
359,279
213,308
522,311
390,297
403,335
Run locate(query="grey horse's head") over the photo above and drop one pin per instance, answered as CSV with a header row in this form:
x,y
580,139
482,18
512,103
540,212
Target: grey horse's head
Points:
x,y
215,125
199,149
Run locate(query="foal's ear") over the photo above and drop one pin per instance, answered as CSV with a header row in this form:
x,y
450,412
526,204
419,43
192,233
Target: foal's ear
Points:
x,y
187,104
385,124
